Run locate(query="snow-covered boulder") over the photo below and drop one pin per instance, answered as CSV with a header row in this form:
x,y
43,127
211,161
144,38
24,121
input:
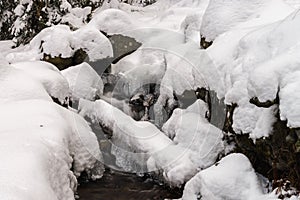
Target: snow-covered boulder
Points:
x,y
231,178
112,21
84,82
16,85
59,41
47,74
139,69
222,16
190,129
39,141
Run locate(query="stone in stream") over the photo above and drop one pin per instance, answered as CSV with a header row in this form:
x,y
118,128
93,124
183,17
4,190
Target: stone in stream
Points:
x,y
140,105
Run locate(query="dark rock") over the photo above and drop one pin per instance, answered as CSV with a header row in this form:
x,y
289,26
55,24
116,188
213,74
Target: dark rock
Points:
x,y
205,44
266,104
274,157
63,63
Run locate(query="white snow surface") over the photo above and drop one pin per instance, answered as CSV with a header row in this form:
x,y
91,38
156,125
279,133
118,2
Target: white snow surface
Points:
x,y
60,41
231,178
41,141
84,82
47,74
255,56
190,129
222,16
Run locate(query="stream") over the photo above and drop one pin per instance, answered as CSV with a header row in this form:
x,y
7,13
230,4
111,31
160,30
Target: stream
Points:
x,y
116,184
124,186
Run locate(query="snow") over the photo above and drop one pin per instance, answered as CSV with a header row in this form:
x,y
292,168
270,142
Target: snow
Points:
x,y
15,85
231,178
112,21
190,129
258,122
84,82
146,63
47,74
40,141
76,16
60,41
139,146
252,54
223,16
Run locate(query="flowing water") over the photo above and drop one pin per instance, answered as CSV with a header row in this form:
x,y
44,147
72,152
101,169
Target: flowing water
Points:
x,y
123,186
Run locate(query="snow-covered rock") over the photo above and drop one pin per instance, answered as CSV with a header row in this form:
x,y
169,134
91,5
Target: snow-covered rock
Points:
x,y
141,68
84,82
40,141
252,55
16,85
231,178
190,129
112,21
223,16
47,74
60,41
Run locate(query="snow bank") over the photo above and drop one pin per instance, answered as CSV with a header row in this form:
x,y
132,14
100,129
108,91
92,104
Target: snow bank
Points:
x,y
84,82
231,178
47,74
40,141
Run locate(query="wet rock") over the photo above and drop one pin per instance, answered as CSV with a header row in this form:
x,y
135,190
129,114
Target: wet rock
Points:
x,y
63,63
205,44
266,104
140,105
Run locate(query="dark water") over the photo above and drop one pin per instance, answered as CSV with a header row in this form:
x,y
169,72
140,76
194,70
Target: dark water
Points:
x,y
122,186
